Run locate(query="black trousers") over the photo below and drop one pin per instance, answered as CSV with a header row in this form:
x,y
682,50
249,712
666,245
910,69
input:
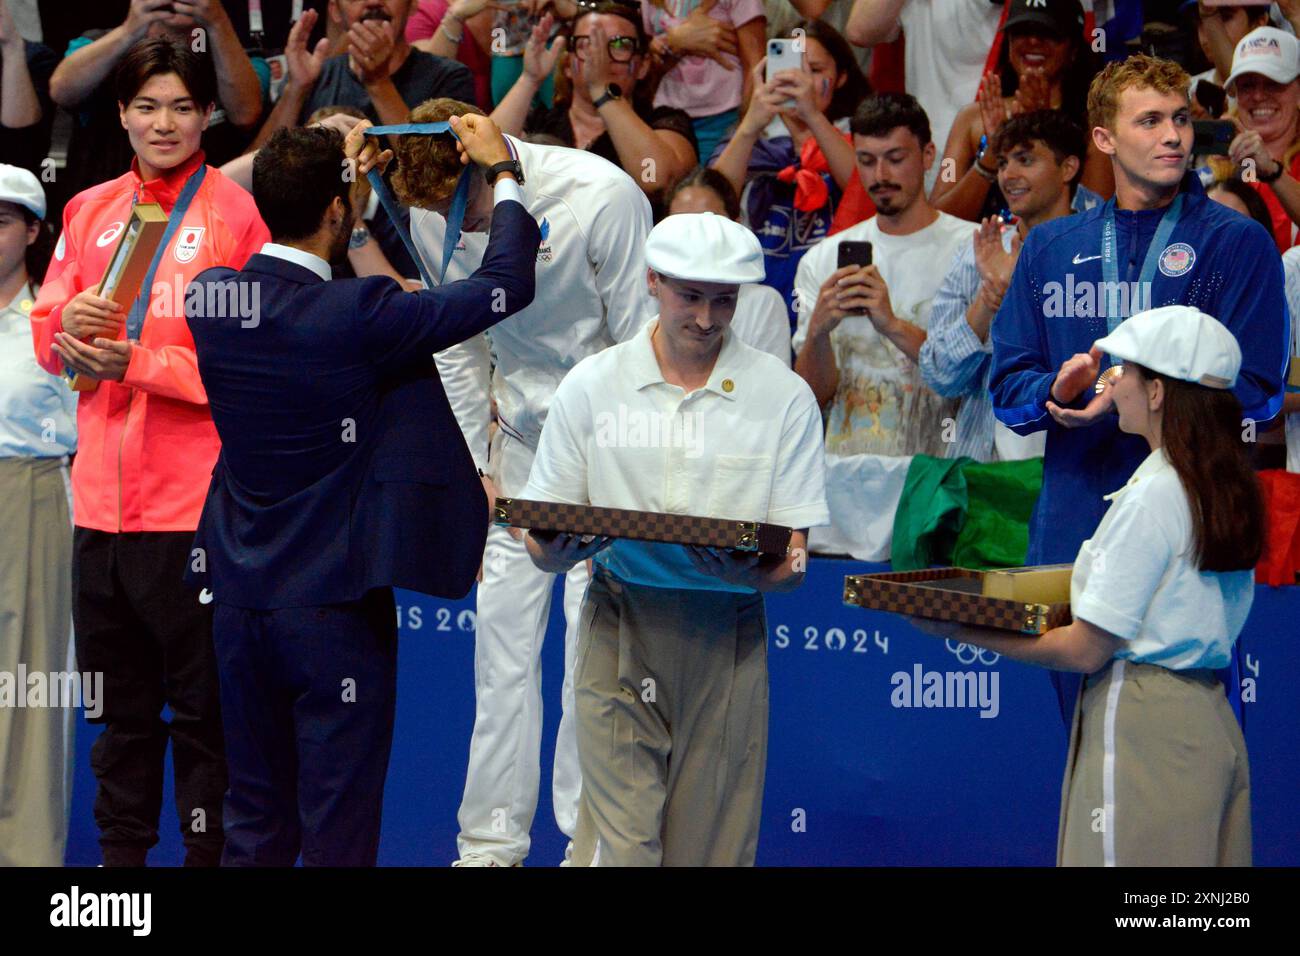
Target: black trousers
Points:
x,y
308,696
151,638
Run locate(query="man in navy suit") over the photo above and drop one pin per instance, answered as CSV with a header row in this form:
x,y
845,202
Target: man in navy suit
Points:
x,y
342,474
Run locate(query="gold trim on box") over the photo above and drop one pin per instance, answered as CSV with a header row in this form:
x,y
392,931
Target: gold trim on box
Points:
x,y
917,594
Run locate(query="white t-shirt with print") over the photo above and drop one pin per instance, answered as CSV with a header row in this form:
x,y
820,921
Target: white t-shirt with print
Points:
x,y
882,406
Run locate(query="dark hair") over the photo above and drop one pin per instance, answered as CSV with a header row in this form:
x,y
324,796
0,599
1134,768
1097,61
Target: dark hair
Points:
x,y
881,113
1076,78
1053,128
705,177
39,252
296,176
159,56
855,88
643,96
1201,435
630,12
1252,200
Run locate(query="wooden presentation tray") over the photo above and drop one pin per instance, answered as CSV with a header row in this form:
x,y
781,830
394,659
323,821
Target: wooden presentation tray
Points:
x,y
956,595
127,267
644,525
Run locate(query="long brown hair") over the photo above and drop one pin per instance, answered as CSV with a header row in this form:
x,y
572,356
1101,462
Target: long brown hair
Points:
x,y
1201,436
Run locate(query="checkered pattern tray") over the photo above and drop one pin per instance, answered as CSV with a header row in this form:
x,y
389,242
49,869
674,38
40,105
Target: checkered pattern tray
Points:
x,y
946,595
644,525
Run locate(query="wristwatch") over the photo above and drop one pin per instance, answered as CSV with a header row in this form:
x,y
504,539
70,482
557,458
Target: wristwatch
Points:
x,y
360,236
1273,176
612,92
506,166
979,167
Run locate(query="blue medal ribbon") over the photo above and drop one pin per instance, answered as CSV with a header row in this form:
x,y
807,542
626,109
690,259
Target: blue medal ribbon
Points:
x,y
455,215
1109,257
139,308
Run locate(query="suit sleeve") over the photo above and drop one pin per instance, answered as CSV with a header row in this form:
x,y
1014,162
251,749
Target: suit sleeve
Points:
x,y
398,328
617,250
1022,374
62,282
1254,308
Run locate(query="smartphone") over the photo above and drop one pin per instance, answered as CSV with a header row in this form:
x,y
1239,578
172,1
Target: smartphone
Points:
x,y
854,254
1212,97
1212,137
784,54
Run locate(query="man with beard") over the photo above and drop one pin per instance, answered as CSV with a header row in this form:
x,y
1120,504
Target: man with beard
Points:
x,y
342,475
861,328
379,72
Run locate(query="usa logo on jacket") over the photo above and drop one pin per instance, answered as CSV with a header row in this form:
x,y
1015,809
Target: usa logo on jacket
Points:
x,y
1177,260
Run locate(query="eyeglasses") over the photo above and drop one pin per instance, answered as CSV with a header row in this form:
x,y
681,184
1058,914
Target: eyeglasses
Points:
x,y
621,49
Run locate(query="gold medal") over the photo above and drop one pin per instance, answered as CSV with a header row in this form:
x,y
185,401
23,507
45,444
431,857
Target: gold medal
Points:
x,y
1109,377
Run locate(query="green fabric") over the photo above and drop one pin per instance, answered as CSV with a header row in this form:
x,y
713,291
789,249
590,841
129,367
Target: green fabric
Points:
x,y
1000,498
963,513
930,512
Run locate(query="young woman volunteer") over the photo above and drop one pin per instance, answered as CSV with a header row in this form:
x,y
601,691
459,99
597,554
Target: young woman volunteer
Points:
x,y
1157,772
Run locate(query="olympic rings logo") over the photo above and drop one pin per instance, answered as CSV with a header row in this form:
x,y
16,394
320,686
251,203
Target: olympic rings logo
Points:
x,y
969,653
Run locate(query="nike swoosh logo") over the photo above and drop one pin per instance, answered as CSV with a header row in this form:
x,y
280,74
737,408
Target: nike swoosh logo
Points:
x,y
1077,261
205,596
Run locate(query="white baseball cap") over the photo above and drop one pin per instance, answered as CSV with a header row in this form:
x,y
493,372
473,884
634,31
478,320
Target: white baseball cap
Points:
x,y
704,247
19,186
1269,52
1178,341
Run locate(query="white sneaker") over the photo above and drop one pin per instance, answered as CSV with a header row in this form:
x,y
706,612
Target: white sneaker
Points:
x,y
477,859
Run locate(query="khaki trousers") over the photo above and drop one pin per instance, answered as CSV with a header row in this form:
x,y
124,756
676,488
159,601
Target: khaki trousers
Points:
x,y
1157,773
36,743
671,696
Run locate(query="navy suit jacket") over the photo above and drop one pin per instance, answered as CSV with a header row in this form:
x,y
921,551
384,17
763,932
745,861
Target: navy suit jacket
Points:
x,y
342,467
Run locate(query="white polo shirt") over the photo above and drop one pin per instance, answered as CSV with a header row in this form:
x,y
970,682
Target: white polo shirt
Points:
x,y
1135,578
761,321
38,411
591,290
746,446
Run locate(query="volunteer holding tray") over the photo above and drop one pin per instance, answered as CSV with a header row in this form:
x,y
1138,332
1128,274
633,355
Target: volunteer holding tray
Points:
x,y
671,673
1159,595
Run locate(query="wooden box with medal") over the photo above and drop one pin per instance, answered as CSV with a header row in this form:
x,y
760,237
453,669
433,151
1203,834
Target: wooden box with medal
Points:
x,y
1029,600
127,268
752,536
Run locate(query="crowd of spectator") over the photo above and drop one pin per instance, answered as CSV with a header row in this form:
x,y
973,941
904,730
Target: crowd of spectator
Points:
x,y
939,131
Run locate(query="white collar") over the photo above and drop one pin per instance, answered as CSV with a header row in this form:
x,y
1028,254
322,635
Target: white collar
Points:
x,y
643,366
299,257
1152,465
24,295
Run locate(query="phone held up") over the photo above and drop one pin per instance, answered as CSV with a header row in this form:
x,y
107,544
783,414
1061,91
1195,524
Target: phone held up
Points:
x,y
783,54
854,254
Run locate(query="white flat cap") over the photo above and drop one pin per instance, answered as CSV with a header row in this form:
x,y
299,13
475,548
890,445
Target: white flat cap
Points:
x,y
705,247
19,186
1178,341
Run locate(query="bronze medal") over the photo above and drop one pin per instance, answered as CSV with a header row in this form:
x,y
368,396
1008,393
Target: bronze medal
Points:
x,y
1109,377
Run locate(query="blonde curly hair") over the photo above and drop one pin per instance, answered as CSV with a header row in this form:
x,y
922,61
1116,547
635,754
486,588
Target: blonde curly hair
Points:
x,y
1139,70
428,167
